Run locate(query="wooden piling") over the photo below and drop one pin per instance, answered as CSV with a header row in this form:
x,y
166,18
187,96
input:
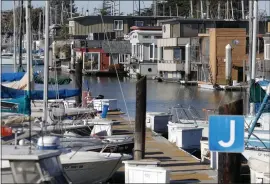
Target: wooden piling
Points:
x,y
229,164
78,81
139,145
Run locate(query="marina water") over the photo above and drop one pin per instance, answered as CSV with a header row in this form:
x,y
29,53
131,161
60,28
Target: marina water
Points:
x,y
160,96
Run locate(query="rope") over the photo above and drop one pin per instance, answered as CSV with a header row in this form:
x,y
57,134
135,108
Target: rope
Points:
x,y
120,86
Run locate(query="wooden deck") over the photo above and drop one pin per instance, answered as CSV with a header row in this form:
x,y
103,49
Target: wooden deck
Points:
x,y
184,167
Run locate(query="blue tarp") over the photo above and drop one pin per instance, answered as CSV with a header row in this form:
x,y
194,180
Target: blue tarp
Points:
x,y
7,92
10,77
263,82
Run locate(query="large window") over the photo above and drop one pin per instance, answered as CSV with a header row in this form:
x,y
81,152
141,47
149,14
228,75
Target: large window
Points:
x,y
118,25
138,23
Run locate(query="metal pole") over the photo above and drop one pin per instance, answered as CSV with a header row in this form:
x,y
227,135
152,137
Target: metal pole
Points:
x,y
62,8
170,11
227,9
1,39
71,8
243,9
14,37
21,35
28,40
250,34
39,27
177,12
191,8
207,9
218,9
232,9
46,60
254,46
201,9
55,14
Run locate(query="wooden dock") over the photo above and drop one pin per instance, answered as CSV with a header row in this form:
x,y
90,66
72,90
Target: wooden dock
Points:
x,y
184,167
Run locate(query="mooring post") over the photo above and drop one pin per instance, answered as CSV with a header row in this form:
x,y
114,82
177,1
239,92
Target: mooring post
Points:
x,y
78,81
228,65
187,63
139,146
229,164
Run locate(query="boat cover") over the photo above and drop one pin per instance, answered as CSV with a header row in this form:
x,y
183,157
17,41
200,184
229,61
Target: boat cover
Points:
x,y
10,77
7,92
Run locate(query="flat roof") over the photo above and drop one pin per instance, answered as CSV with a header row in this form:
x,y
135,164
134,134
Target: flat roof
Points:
x,y
118,17
179,19
152,28
22,153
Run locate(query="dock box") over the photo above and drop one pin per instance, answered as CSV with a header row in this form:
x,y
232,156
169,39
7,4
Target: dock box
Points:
x,y
188,137
157,121
145,172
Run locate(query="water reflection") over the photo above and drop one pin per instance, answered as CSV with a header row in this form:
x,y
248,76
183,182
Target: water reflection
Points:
x,y
160,96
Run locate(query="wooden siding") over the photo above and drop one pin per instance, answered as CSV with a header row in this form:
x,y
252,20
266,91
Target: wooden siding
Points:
x,y
219,38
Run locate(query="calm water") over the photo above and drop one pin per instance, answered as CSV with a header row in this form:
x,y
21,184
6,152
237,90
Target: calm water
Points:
x,y
160,96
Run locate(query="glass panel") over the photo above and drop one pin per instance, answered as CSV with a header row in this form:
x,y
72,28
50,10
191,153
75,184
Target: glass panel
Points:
x,y
176,53
25,172
95,63
151,51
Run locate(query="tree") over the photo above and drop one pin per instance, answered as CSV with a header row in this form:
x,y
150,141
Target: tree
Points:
x,y
57,7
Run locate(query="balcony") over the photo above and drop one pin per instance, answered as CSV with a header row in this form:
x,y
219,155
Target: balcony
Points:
x,y
171,65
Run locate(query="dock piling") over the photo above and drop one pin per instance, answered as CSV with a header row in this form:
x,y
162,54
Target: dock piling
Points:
x,y
139,144
229,164
78,81
228,69
187,63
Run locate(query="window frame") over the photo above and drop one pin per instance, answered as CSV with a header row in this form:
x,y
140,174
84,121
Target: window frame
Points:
x,y
118,29
135,23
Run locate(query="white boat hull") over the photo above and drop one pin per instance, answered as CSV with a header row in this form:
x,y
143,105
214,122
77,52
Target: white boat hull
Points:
x,y
91,167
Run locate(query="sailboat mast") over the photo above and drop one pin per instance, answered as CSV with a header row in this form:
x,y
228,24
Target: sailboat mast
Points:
x,y
28,43
39,27
14,37
21,35
46,61
254,46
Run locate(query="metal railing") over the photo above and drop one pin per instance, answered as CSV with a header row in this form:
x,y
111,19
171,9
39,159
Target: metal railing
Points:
x,y
171,61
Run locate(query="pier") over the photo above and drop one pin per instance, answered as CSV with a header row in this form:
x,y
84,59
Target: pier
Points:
x,y
183,167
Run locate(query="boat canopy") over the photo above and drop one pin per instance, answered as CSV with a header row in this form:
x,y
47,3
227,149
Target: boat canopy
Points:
x,y
10,77
7,92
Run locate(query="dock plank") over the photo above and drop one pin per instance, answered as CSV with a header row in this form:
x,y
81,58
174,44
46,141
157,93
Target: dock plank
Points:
x,y
184,167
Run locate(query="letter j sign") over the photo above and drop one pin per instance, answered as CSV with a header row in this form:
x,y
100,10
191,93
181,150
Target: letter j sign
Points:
x,y
226,133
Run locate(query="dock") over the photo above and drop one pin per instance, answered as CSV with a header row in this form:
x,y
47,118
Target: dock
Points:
x,y
184,168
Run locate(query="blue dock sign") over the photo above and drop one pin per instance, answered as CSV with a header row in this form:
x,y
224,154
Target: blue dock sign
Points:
x,y
226,133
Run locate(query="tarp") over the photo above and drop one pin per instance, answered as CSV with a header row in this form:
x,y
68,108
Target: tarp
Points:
x,y
256,93
7,92
10,77
263,82
23,105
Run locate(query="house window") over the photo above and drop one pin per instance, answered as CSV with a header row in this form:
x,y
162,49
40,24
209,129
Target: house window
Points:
x,y
138,23
158,37
152,51
176,53
146,36
133,50
118,25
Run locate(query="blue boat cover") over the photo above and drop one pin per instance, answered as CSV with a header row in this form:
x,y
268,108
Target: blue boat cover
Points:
x,y
263,82
23,105
10,77
7,92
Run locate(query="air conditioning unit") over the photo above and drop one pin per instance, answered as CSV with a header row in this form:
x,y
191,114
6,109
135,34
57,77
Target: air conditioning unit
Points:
x,y
266,51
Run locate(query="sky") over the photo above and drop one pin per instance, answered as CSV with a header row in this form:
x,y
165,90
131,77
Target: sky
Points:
x,y
126,6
